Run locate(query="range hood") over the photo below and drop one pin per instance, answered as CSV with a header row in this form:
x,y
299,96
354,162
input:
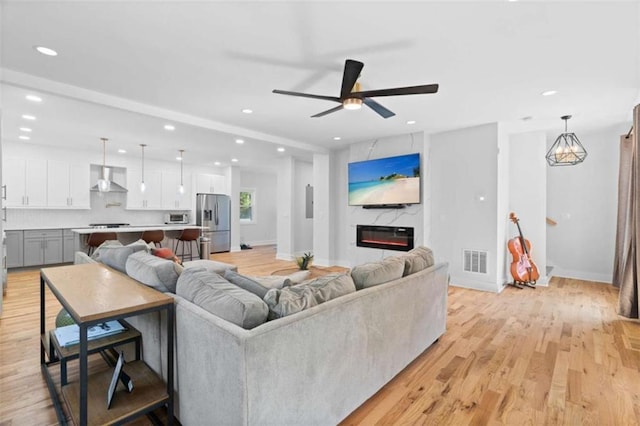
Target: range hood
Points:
x,y
107,174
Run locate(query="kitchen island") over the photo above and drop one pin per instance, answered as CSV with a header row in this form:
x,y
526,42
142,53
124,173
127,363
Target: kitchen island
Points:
x,y
131,233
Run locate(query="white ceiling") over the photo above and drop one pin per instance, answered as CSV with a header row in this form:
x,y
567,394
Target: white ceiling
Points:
x,y
198,64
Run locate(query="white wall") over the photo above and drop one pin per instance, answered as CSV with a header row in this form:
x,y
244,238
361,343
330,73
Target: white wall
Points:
x,y
303,227
322,210
263,231
583,200
347,252
464,184
528,195
286,174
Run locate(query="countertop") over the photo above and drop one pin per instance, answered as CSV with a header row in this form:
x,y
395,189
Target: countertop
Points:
x,y
135,228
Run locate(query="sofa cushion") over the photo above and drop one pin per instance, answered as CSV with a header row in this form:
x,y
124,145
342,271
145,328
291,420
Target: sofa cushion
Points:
x,y
289,300
417,259
153,271
272,281
221,298
116,256
210,265
375,273
246,283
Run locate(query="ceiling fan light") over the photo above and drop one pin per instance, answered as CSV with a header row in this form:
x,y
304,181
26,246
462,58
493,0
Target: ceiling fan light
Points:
x,y
352,103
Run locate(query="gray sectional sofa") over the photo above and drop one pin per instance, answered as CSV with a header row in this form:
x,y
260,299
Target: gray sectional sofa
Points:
x,y
313,367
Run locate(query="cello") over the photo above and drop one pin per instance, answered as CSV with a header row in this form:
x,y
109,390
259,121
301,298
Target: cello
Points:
x,y
523,270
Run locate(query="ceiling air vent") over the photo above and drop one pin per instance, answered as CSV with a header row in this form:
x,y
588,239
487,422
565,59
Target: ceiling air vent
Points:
x,y
474,261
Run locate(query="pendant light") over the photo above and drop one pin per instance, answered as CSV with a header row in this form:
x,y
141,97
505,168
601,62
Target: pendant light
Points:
x,y
143,187
567,149
181,187
104,184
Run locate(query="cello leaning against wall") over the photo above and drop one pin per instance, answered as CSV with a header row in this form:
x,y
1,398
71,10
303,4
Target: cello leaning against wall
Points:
x,y
523,270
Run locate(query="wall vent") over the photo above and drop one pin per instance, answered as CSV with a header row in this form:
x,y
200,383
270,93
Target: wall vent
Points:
x,y
474,261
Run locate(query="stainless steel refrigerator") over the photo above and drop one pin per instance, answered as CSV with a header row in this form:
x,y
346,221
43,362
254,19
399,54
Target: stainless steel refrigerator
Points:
x,y
213,214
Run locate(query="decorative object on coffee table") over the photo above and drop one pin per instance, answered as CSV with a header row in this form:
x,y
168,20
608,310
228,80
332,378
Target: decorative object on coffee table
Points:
x,y
305,261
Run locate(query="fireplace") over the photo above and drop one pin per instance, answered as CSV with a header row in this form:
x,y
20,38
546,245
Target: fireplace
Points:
x,y
385,237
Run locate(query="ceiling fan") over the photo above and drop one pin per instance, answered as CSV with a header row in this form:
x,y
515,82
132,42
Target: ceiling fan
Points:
x,y
352,98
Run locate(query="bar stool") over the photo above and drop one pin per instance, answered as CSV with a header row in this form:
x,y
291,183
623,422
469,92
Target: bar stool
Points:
x,y
95,239
188,236
155,236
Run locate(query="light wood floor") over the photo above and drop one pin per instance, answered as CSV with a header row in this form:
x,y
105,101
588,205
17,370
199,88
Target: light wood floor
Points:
x,y
556,355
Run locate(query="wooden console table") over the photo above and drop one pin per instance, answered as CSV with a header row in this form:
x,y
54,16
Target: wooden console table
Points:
x,y
94,293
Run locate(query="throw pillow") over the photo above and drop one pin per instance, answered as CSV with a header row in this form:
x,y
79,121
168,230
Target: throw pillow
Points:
x,y
417,259
153,271
246,283
96,253
116,256
290,300
166,253
376,273
216,295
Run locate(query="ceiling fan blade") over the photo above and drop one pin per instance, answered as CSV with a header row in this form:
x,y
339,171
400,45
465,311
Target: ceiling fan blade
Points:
x,y
382,111
307,95
411,90
351,73
329,111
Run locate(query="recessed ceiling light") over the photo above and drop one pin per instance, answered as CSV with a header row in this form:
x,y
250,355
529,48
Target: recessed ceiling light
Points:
x,y
46,51
216,163
549,92
411,122
281,149
33,98
179,158
122,151
25,129
28,117
247,111
169,127
235,160
24,138
336,138
240,141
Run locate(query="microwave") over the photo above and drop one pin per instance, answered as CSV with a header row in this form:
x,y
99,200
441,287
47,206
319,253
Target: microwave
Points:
x,y
179,218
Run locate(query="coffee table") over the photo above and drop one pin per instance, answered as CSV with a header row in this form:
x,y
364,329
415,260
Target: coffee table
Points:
x,y
94,293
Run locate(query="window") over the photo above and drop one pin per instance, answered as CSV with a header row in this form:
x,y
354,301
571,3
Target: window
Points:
x,y
248,206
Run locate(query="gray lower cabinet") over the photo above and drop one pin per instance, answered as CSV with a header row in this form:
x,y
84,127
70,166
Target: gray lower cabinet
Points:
x,y
43,247
15,249
68,245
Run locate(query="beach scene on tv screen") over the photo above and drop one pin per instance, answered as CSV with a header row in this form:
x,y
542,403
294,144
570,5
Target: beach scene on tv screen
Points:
x,y
392,180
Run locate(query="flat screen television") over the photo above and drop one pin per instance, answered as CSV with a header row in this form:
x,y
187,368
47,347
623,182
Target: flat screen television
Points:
x,y
390,181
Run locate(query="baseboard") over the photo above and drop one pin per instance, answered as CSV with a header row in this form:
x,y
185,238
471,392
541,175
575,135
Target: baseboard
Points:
x,y
284,256
234,249
262,243
475,284
580,275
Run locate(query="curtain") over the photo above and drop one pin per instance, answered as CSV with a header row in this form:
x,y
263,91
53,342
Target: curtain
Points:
x,y
627,257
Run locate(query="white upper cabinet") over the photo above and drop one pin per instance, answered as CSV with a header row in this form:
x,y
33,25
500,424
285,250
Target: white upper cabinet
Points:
x,y
212,184
26,182
151,198
171,198
68,185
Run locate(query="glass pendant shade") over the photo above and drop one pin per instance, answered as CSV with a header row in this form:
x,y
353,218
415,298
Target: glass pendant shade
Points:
x,y
181,187
143,187
104,184
567,149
